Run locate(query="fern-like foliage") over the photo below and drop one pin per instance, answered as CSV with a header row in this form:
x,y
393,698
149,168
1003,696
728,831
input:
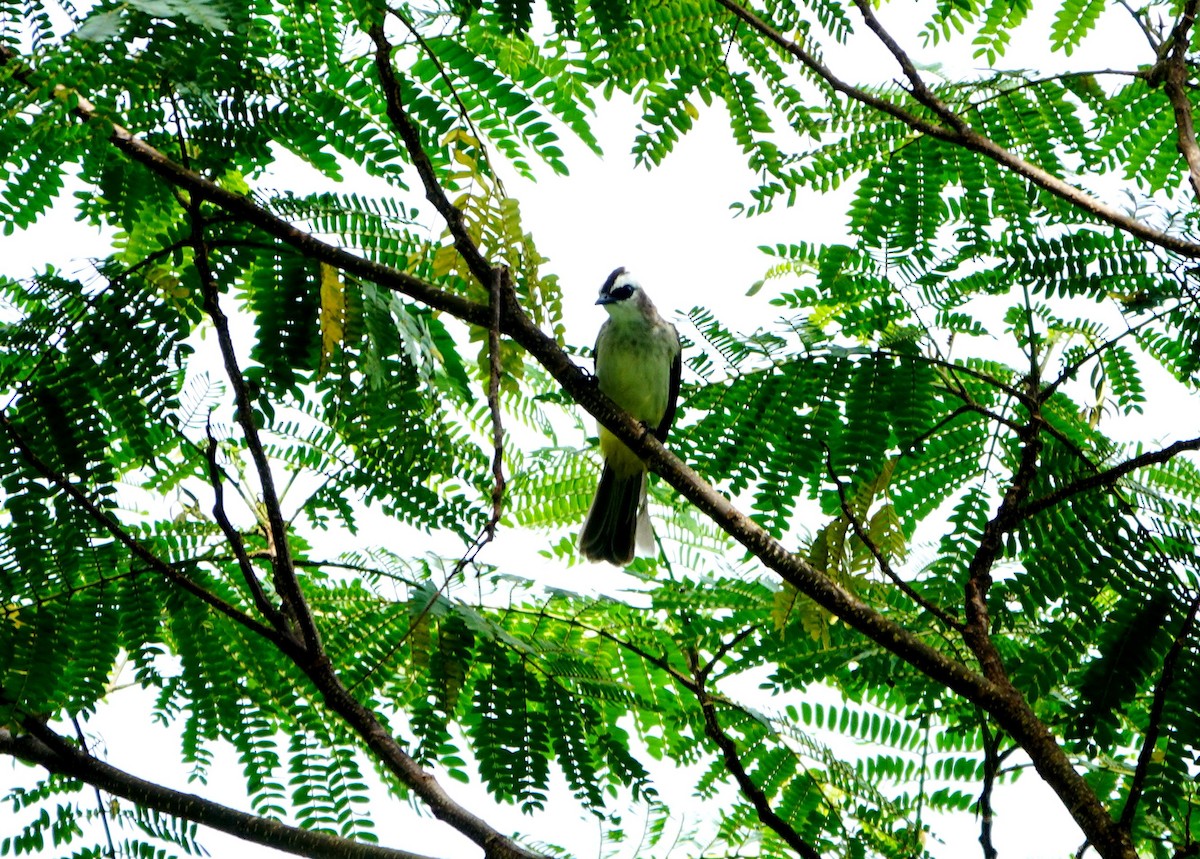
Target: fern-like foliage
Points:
x,y
929,402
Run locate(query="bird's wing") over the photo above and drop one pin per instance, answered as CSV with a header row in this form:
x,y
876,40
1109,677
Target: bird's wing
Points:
x,y
664,426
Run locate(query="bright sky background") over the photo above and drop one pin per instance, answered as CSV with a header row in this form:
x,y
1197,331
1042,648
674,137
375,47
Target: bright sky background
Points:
x,y
673,228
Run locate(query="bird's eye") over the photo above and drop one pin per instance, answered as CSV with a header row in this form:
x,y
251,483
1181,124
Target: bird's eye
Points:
x,y
622,292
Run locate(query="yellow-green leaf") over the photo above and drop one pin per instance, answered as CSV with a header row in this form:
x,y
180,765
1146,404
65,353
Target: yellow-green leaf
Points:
x,y
333,313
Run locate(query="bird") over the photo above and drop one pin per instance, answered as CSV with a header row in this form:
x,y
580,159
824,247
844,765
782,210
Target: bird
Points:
x,y
638,362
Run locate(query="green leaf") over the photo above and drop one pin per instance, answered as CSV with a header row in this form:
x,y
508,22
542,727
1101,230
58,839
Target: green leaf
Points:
x,y
101,26
209,14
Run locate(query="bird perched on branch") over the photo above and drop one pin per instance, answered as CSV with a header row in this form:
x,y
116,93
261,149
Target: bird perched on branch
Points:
x,y
637,365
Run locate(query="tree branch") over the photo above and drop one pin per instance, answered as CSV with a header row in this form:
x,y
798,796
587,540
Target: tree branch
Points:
x,y
977,633
920,91
1138,783
968,138
234,539
479,266
295,608
1107,477
314,662
495,371
822,71
45,748
991,764
1175,85
733,763
112,850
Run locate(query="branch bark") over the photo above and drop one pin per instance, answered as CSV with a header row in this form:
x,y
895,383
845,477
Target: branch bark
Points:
x,y
961,134
733,763
295,608
42,746
1175,84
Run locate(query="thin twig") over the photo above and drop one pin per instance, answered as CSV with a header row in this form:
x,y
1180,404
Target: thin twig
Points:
x,y
415,622
295,607
723,651
1069,370
112,849
954,368
1154,724
733,763
445,76
1032,83
918,818
113,527
885,566
234,539
495,371
1139,18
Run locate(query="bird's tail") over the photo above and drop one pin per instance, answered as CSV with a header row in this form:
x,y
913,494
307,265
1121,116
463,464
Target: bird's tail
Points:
x,y
619,520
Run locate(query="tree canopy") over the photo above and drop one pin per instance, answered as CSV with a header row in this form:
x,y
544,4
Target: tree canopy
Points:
x,y
906,494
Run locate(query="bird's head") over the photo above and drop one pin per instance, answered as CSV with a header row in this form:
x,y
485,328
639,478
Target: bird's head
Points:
x,y
621,294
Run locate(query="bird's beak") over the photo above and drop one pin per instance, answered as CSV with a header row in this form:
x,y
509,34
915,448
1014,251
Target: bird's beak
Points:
x,y
604,299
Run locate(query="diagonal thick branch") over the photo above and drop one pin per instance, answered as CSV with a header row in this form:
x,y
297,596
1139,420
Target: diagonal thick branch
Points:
x,y
41,746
